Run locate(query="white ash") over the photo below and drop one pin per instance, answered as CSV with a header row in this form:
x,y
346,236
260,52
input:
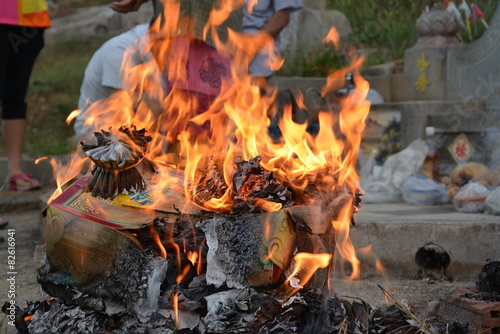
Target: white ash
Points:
x,y
229,240
246,310
70,319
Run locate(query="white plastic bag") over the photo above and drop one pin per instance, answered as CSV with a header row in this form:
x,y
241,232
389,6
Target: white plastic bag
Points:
x,y
379,192
424,191
471,198
492,203
398,167
367,164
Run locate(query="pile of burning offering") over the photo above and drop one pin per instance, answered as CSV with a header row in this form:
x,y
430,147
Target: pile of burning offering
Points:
x,y
126,252
200,222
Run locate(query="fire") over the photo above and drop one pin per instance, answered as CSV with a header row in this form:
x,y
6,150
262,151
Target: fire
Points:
x,y
344,244
333,37
199,264
156,237
183,274
175,302
305,267
64,173
37,161
190,139
73,115
251,4
193,257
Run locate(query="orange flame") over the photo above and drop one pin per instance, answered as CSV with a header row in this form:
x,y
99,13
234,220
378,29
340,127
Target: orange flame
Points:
x,y
380,268
183,274
73,115
234,124
156,238
251,4
193,257
175,302
343,242
333,37
199,266
65,173
305,266
37,161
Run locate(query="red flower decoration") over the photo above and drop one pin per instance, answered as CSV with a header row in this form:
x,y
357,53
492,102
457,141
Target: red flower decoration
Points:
x,y
461,150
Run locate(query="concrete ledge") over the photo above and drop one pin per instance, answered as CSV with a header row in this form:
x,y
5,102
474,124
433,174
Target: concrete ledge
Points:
x,y
415,115
396,231
22,201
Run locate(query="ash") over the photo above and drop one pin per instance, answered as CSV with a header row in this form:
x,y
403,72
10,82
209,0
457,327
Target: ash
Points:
x,y
132,284
204,309
228,241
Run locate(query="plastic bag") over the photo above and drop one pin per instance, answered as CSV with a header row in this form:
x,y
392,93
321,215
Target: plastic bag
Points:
x,y
367,164
471,198
424,191
398,167
379,192
492,203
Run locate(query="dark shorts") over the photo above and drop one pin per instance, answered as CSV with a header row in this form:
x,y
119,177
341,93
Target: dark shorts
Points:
x,y
19,47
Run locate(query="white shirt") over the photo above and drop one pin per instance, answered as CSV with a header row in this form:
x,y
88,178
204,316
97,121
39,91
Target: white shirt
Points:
x,y
104,75
254,19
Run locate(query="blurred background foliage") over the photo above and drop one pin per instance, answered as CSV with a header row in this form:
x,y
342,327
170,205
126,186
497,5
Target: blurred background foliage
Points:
x,y
381,30
54,92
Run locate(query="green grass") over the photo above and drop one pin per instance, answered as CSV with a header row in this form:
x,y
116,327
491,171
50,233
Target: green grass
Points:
x,y
53,94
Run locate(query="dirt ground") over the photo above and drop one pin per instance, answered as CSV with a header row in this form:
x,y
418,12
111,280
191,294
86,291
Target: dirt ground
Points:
x,y
26,233
26,226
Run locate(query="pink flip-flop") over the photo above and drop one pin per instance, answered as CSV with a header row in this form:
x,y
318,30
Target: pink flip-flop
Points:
x,y
13,186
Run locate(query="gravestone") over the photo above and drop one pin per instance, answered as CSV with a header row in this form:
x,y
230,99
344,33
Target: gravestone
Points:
x,y
308,28
439,68
316,4
474,72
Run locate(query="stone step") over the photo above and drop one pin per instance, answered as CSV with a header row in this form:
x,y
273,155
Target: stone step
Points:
x,y
396,231
21,201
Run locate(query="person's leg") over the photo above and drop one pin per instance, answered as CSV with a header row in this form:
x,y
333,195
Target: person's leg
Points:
x,y
23,46
13,131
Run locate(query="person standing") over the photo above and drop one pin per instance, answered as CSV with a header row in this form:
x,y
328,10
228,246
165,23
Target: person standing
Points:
x,y
271,17
22,24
